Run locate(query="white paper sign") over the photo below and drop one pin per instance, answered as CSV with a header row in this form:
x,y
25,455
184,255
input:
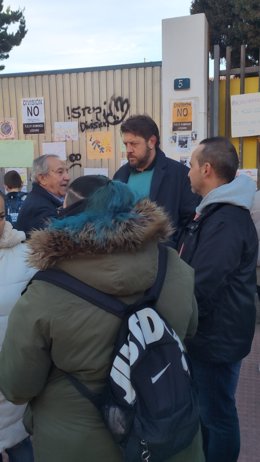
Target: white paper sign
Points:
x,y
58,149
66,131
96,171
33,115
245,115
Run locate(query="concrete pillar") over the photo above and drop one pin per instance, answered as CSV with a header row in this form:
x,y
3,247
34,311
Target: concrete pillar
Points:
x,y
185,58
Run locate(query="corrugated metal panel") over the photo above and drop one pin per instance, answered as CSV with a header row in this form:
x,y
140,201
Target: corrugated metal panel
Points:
x,y
98,99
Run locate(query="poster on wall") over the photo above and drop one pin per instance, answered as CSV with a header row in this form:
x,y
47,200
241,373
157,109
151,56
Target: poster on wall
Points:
x,y
99,145
183,128
66,131
33,115
16,153
57,148
184,144
96,171
182,116
245,115
7,128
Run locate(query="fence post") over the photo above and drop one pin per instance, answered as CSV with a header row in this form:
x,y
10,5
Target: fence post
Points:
x,y
215,115
227,96
242,91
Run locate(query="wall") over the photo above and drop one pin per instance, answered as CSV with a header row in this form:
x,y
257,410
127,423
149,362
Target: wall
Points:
x,y
98,99
184,55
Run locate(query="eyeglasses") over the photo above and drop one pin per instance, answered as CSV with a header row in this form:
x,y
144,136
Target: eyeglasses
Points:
x,y
59,172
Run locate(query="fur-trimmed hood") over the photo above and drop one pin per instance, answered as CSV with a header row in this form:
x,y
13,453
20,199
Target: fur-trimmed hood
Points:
x,y
122,233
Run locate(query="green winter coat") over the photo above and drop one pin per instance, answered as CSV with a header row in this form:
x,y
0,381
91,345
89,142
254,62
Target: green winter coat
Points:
x,y
51,330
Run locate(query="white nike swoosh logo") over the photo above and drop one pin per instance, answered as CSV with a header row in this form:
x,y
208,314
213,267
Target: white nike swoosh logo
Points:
x,y
157,376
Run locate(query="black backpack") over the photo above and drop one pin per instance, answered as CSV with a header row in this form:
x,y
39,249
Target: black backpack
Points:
x,y
149,404
13,203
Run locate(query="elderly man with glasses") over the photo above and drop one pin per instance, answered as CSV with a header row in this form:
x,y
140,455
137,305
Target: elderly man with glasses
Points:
x,y
50,181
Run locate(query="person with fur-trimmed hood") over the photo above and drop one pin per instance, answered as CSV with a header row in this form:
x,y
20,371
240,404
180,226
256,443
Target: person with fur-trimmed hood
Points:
x,y
109,240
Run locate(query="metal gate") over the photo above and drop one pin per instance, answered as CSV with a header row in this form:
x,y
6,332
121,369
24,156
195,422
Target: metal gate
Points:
x,y
227,75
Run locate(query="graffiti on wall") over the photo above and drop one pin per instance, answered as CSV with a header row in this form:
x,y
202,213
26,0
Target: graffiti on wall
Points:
x,y
75,159
112,113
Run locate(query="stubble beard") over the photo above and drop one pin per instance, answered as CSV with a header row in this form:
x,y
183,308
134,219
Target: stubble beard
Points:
x,y
140,164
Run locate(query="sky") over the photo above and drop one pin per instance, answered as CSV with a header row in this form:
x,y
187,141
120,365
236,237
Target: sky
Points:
x,y
70,34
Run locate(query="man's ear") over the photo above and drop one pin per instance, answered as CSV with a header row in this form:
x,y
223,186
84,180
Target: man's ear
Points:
x,y
42,179
207,169
152,141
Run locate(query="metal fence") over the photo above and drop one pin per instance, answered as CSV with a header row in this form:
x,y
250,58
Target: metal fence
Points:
x,y
227,74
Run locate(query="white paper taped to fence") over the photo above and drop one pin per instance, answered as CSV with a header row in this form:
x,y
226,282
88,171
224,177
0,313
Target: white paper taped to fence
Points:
x,y
245,115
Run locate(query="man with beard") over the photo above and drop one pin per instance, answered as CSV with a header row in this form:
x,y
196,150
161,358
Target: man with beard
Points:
x,y
149,173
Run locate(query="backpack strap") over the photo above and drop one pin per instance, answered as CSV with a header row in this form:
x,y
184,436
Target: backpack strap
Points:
x,y
66,281
96,398
105,301
191,234
152,294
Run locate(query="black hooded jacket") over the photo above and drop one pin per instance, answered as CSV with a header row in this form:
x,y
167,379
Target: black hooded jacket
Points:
x,y
221,245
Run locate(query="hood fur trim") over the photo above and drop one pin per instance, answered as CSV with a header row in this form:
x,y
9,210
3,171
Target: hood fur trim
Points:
x,y
148,223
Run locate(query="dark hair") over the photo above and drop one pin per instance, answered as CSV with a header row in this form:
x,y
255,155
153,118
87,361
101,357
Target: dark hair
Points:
x,y
106,202
84,186
12,179
79,192
222,155
141,125
2,195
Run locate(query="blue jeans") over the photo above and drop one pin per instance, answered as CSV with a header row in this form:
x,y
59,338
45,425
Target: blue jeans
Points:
x,y
217,385
21,452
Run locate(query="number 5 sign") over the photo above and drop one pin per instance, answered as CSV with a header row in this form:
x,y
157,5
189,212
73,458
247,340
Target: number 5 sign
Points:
x,y
182,84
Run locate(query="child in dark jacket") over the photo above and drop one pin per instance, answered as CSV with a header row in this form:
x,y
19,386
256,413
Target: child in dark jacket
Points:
x,y
14,196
